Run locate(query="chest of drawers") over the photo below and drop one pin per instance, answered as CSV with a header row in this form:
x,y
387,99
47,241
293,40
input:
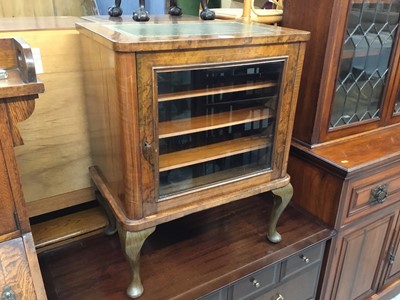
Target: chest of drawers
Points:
x,y
279,281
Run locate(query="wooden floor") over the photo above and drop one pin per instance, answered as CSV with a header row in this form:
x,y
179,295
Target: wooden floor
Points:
x,y
182,259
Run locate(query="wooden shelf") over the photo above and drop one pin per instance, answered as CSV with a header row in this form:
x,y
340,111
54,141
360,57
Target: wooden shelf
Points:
x,y
208,122
174,187
55,232
15,86
201,154
215,91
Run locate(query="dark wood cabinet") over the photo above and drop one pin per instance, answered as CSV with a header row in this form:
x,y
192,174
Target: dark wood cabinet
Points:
x,y
362,254
188,115
19,269
351,82
357,193
345,156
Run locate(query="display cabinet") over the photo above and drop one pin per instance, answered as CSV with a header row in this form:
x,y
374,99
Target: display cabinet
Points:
x,y
187,115
352,82
345,154
20,276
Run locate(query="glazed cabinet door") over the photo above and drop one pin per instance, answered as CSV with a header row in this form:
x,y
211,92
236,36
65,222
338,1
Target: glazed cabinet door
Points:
x,y
215,123
205,124
361,255
366,68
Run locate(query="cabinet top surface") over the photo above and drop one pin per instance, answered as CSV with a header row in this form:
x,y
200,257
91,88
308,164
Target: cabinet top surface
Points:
x,y
164,33
378,147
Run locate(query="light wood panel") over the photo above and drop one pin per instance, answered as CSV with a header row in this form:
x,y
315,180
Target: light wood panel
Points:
x,y
55,157
33,8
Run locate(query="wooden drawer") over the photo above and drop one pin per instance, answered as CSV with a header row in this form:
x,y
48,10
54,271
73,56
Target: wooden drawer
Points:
x,y
301,261
369,194
302,287
293,278
259,281
221,294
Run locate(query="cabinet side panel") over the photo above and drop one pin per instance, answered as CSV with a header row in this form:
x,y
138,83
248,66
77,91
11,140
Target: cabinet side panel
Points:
x,y
102,112
128,114
315,190
313,16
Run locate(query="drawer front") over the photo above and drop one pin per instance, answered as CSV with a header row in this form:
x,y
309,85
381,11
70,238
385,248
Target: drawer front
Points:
x,y
369,194
221,294
304,259
256,282
301,287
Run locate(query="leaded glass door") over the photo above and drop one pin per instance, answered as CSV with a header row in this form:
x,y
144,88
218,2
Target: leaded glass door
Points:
x,y
365,64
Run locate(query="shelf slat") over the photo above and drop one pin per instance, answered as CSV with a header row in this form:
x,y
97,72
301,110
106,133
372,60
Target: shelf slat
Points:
x,y
215,91
201,154
208,122
189,183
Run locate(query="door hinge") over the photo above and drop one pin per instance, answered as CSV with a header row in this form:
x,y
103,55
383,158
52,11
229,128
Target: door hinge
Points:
x,y
17,220
391,258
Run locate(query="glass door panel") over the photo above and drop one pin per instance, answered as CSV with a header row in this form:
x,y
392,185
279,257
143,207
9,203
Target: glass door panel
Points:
x,y
397,105
368,44
215,123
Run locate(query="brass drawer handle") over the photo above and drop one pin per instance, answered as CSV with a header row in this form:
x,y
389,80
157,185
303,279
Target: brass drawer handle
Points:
x,y
305,259
255,283
379,194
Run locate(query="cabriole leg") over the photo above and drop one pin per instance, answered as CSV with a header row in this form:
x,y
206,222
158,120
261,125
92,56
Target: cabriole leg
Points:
x,y
132,242
282,197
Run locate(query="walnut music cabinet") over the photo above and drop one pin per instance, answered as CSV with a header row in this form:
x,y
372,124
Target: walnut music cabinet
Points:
x,y
186,115
20,276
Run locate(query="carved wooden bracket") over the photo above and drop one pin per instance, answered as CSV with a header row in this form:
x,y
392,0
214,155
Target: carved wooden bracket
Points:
x,y
20,87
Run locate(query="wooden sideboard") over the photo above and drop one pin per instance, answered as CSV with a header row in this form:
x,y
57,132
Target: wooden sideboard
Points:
x,y
19,269
345,156
197,255
354,187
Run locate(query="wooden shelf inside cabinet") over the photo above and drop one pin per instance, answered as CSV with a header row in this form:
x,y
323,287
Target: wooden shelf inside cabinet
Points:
x,y
208,122
201,154
215,91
